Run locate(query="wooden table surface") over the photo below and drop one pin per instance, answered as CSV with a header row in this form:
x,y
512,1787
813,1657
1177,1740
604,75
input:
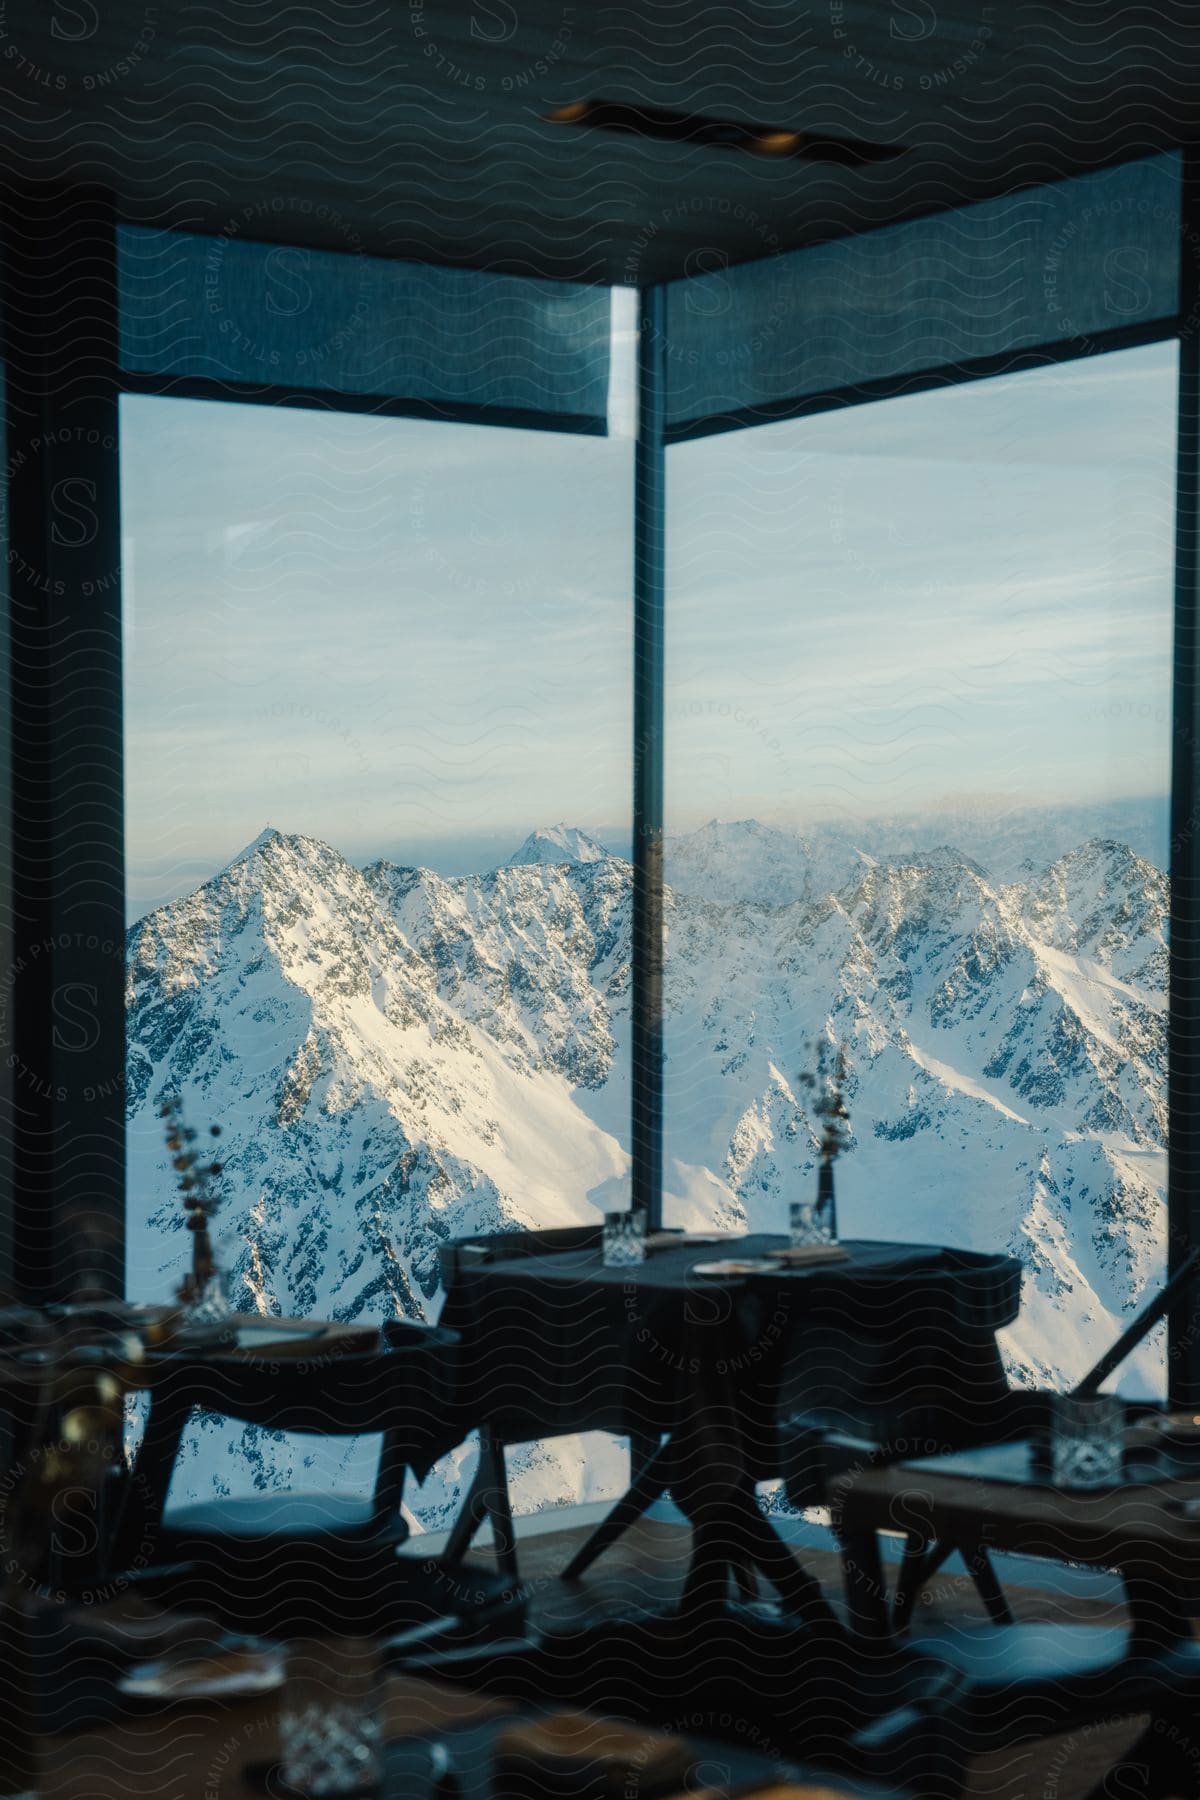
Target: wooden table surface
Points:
x,y
1136,1528
202,1752
1139,1520
199,1750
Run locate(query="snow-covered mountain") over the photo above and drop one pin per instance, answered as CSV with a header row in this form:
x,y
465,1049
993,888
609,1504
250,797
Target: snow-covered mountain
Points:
x,y
396,1057
559,844
745,860
740,860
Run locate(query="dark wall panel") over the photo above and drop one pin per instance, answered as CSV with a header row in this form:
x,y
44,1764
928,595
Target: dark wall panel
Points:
x,y
1061,265
232,309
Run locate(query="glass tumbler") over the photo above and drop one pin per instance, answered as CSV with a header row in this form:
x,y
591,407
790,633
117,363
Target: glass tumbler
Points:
x,y
624,1238
809,1223
1087,1440
330,1728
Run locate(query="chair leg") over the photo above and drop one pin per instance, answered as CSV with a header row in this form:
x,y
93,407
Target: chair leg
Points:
x,y
863,1586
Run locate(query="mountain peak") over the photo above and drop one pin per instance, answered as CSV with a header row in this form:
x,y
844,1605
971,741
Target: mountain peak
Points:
x,y
559,844
268,835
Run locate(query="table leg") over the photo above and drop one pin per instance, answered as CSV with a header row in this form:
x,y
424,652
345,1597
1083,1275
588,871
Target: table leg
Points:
x,y
499,1506
140,1506
756,1537
643,1448
706,1588
487,1499
987,1585
865,1588
919,1561
470,1518
922,1559
650,1485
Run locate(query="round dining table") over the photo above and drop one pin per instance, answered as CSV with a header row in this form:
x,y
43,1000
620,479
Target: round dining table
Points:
x,y
704,1350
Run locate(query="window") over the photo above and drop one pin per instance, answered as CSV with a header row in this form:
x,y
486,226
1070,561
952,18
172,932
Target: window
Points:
x,y
918,767
378,792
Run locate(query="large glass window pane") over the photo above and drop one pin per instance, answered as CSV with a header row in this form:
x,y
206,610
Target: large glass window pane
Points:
x,y
917,786
378,749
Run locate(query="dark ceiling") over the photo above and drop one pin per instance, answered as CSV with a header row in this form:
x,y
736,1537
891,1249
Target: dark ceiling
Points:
x,y
415,128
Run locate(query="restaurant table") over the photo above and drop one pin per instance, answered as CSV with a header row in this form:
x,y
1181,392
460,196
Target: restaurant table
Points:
x,y
199,1751
995,1495
560,1343
1001,1495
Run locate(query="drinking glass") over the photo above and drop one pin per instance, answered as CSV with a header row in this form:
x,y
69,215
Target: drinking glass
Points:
x,y
330,1730
809,1223
624,1238
212,1305
1087,1440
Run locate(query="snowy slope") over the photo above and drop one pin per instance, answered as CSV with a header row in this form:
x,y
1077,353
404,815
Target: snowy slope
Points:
x,y
397,1057
1006,1071
364,1120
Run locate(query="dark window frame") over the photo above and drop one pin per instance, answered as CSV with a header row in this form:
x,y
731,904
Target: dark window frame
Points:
x,y
1183,1015
53,1137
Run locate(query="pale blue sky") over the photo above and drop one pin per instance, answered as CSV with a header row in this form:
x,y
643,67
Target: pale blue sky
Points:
x,y
413,639
958,598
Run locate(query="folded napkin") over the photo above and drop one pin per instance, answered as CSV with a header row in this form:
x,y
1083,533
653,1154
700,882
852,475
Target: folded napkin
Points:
x,y
667,1240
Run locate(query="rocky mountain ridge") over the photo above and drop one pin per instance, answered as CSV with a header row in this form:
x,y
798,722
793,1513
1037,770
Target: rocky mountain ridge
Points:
x,y
397,1057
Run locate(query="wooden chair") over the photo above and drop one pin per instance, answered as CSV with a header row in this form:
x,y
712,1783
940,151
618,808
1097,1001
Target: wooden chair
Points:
x,y
291,1559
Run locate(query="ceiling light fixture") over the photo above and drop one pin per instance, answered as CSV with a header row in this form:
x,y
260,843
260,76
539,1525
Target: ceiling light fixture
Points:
x,y
653,123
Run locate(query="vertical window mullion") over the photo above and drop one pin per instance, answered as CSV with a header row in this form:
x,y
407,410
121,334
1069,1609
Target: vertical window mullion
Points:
x,y
65,1018
1184,1006
648,651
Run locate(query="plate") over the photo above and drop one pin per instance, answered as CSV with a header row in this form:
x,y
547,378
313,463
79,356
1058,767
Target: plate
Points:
x,y
1179,1428
224,1674
804,1254
724,1271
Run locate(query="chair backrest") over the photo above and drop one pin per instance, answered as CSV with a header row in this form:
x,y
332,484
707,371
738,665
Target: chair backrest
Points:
x,y
1141,1326
549,1242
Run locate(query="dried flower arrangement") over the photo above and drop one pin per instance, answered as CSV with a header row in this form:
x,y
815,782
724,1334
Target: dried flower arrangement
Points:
x,y
830,1108
203,1286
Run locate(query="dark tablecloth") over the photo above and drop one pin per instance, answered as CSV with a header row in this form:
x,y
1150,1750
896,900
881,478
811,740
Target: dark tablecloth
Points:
x,y
557,1343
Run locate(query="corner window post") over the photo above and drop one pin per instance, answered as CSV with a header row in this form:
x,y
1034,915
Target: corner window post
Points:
x,y
649,565
1183,1157
63,1026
